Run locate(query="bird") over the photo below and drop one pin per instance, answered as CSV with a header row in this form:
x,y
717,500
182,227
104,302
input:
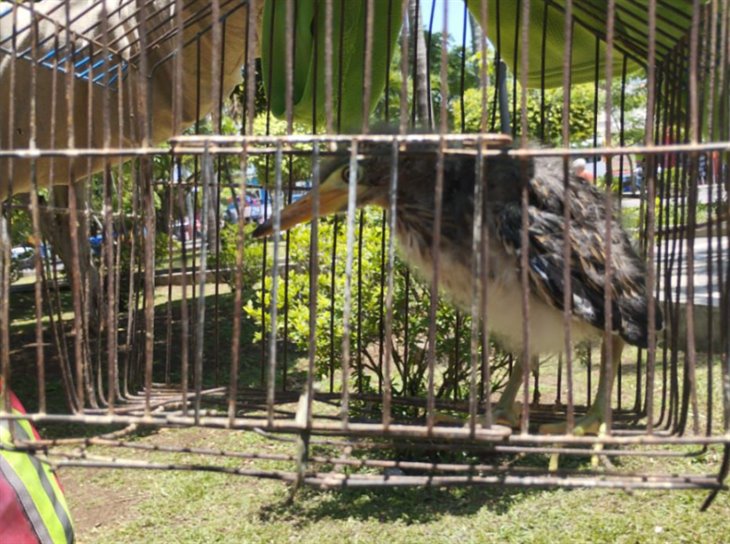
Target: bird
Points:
x,y
506,176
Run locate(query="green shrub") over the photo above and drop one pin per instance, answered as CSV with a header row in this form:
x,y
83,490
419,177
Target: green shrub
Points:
x,y
409,373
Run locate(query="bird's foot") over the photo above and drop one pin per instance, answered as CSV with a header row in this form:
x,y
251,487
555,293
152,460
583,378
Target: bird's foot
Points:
x,y
442,418
588,424
508,416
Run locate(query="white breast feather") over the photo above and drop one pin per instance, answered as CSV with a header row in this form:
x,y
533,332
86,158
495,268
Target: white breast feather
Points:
x,y
504,299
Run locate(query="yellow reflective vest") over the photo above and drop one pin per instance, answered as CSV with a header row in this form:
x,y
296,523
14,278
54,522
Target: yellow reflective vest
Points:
x,y
32,505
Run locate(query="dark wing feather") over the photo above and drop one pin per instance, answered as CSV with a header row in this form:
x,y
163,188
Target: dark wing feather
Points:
x,y
588,255
545,259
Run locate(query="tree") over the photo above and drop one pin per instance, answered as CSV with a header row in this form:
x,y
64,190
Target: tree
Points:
x,y
293,167
422,100
544,120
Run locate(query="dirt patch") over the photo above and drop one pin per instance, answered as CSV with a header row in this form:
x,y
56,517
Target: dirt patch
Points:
x,y
92,505
101,499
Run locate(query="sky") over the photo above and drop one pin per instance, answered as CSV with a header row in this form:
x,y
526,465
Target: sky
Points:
x,y
455,17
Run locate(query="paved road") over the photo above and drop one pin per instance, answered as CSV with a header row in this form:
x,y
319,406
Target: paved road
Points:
x,y
704,248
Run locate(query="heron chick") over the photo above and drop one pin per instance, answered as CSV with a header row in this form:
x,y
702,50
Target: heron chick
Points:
x,y
506,176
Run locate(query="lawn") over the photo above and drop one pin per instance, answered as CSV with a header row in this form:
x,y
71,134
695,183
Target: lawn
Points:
x,y
123,505
162,506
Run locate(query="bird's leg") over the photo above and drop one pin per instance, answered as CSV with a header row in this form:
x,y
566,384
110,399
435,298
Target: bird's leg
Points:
x,y
508,411
535,369
596,415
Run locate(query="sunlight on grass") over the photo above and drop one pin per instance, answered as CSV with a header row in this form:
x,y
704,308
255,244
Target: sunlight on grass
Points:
x,y
172,506
205,507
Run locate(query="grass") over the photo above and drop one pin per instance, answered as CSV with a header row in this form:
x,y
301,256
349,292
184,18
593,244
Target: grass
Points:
x,y
201,507
129,506
145,506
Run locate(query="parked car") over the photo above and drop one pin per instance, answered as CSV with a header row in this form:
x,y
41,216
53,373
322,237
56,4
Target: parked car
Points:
x,y
21,257
632,183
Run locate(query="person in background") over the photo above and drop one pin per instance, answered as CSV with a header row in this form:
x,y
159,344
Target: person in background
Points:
x,y
579,169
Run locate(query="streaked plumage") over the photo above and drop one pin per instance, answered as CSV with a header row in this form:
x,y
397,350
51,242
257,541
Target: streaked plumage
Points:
x,y
506,176
415,216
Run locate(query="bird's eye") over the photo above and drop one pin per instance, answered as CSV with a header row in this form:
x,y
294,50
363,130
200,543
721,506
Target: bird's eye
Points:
x,y
346,174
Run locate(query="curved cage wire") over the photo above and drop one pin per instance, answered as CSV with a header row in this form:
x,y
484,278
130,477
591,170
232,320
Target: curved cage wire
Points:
x,y
141,143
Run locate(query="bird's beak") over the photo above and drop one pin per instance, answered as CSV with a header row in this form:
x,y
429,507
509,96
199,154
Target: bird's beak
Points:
x,y
333,195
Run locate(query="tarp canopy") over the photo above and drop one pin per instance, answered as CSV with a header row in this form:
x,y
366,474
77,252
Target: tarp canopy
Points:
x,y
547,26
104,70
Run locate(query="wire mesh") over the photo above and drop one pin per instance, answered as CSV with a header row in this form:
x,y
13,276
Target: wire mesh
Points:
x,y
151,136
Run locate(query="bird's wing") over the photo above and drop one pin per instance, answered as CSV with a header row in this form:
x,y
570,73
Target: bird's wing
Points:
x,y
545,261
588,214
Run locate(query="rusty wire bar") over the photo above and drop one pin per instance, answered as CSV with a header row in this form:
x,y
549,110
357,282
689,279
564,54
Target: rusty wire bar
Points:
x,y
273,323
480,294
231,145
436,235
313,288
36,226
108,234
709,77
606,369
524,236
567,283
690,373
686,80
390,270
5,226
650,226
481,230
347,305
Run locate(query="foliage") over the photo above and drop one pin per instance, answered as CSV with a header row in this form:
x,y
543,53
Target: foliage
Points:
x,y
260,510
389,105
411,301
253,253
458,55
239,92
545,111
293,167
544,114
21,223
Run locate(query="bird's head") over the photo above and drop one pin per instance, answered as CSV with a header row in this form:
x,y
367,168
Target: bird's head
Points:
x,y
417,167
372,177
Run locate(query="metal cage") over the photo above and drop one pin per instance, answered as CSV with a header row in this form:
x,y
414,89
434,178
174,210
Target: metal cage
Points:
x,y
138,140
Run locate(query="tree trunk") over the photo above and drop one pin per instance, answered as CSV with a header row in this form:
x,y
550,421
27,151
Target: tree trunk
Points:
x,y
476,34
421,91
56,228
